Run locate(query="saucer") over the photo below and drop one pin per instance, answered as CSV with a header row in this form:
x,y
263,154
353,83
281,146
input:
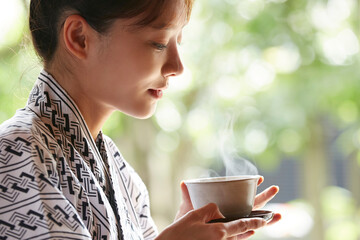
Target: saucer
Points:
x,y
267,215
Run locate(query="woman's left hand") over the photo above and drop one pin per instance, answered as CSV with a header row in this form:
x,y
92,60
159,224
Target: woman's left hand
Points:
x,y
264,197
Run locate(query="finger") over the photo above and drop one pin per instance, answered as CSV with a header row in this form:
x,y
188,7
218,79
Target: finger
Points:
x,y
262,198
245,235
275,219
242,226
209,212
185,193
186,204
260,181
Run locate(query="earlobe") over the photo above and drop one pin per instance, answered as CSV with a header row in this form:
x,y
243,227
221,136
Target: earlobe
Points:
x,y
76,34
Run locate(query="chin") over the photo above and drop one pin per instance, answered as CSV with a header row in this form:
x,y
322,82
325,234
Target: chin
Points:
x,y
144,114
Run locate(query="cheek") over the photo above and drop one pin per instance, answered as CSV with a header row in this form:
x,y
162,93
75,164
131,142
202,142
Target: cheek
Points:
x,y
133,61
123,74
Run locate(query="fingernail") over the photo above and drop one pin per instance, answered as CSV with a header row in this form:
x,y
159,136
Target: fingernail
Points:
x,y
264,222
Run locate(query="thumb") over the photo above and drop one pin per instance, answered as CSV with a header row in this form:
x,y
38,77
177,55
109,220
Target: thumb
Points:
x,y
209,212
185,193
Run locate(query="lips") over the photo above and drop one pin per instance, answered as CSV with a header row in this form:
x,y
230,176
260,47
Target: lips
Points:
x,y
156,93
159,91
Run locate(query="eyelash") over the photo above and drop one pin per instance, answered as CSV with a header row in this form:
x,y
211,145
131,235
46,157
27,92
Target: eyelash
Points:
x,y
159,46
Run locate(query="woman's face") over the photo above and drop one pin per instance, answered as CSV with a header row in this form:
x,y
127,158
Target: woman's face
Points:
x,y
130,68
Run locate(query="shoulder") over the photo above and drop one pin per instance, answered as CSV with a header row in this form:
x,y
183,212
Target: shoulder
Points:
x,y
25,141
27,124
30,187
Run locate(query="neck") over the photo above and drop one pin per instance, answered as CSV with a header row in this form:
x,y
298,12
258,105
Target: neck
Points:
x,y
94,112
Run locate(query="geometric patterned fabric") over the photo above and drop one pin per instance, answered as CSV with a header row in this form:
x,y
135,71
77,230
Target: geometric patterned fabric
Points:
x,y
56,182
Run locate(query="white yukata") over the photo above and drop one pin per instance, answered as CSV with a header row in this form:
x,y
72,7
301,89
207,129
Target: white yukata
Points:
x,y
56,182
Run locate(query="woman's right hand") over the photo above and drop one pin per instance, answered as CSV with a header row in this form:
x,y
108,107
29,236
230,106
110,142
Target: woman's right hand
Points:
x,y
194,225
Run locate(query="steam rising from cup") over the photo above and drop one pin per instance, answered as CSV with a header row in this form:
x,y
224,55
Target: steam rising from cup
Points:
x,y
234,164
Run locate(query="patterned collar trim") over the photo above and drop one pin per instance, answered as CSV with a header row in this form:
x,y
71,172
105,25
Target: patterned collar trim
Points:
x,y
64,111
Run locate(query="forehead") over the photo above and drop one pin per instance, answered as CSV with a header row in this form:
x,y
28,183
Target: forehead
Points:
x,y
173,13
161,14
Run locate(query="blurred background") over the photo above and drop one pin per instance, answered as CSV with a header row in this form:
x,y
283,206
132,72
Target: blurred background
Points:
x,y
276,82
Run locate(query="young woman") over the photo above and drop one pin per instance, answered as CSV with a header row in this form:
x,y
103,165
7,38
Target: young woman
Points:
x,y
60,176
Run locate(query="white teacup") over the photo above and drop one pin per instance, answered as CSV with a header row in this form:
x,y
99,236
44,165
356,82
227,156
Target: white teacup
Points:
x,y
233,195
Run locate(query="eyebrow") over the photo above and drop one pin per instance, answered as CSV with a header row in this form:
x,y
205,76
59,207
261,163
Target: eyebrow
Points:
x,y
165,26
162,26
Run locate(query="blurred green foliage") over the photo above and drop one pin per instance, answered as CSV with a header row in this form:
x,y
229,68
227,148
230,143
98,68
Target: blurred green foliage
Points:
x,y
282,76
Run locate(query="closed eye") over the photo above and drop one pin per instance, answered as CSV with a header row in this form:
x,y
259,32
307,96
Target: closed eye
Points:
x,y
159,46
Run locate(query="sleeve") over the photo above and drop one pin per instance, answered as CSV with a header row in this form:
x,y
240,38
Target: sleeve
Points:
x,y
32,205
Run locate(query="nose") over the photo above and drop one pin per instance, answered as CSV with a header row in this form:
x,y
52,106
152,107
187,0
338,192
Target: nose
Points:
x,y
173,66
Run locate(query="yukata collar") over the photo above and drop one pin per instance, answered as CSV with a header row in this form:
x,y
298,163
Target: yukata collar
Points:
x,y
59,112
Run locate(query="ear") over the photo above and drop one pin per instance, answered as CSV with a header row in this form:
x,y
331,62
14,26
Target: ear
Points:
x,y
76,34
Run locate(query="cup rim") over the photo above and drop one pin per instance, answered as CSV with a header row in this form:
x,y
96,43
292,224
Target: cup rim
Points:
x,y
222,179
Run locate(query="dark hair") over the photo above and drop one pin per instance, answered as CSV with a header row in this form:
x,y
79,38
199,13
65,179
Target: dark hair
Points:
x,y
45,17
